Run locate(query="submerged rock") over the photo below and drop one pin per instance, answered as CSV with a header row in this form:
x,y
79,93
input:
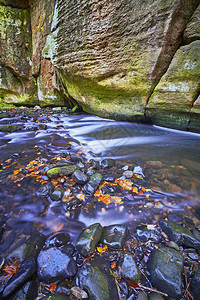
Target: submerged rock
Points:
x,y
179,234
57,240
88,239
95,278
45,189
56,195
115,236
92,185
144,234
55,266
166,267
107,163
23,274
129,269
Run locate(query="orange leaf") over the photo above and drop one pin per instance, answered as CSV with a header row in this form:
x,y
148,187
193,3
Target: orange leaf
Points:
x,y
135,189
53,287
11,268
134,284
113,265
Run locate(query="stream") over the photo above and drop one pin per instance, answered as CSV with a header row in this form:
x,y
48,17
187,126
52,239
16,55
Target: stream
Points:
x,y
166,162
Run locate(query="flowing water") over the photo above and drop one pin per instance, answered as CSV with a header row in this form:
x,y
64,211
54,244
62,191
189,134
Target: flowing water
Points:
x,y
170,162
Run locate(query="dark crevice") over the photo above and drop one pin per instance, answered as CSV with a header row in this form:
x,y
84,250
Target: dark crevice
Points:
x,y
196,94
190,40
172,40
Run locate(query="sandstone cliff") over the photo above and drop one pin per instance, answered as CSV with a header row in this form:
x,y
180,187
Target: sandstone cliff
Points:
x,y
130,60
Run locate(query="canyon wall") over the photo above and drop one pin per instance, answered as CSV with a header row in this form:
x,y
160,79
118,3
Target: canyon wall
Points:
x,y
128,60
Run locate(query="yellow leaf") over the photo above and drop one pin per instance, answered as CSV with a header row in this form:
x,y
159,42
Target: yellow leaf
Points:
x,y
101,249
135,189
16,172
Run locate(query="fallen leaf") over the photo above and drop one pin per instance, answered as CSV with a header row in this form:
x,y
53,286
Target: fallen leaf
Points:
x,y
134,284
101,249
53,287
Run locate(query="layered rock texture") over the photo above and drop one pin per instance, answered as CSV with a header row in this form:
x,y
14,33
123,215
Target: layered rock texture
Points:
x,y
129,60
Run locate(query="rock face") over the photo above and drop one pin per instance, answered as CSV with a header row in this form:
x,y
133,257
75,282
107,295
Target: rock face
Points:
x,y
134,61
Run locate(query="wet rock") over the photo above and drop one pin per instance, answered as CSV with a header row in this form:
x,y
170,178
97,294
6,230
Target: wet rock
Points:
x,y
55,266
115,236
89,172
92,185
68,249
80,177
56,195
42,126
155,296
31,247
196,233
138,170
45,189
94,164
74,159
166,266
59,171
179,234
24,273
57,240
94,277
15,155
55,297
128,174
142,296
173,245
27,291
109,177
129,269
107,163
79,293
195,284
88,239
144,234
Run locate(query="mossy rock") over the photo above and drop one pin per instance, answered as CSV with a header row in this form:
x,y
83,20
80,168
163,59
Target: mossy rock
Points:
x,y
9,128
59,171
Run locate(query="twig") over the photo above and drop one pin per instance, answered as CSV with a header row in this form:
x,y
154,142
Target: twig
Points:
x,y
186,290
153,290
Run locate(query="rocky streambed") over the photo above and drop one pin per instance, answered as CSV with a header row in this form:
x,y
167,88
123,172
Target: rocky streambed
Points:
x,y
75,225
